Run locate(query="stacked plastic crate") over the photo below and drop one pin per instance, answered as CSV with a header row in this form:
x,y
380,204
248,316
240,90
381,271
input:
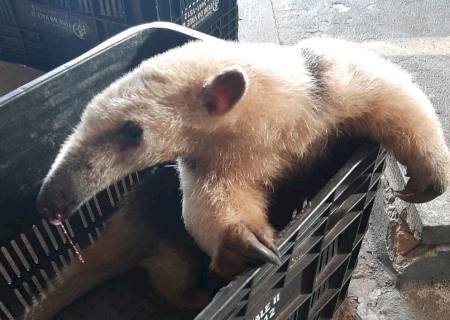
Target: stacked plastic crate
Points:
x,y
46,33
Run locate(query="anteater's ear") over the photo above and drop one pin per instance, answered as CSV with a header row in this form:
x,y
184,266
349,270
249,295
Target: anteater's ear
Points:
x,y
221,93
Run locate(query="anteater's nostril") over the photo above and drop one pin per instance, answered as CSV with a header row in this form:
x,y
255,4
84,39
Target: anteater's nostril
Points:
x,y
55,200
52,205
55,219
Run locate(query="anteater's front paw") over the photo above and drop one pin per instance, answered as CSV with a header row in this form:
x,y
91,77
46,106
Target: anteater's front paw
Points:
x,y
425,185
241,245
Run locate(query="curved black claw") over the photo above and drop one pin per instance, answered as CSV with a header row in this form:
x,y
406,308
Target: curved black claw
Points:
x,y
259,251
271,245
241,245
412,197
417,192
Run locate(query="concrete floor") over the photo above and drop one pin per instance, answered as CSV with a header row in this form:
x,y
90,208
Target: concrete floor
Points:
x,y
374,283
414,34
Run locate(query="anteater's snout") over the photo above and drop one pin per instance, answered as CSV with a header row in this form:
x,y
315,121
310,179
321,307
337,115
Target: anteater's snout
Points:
x,y
55,202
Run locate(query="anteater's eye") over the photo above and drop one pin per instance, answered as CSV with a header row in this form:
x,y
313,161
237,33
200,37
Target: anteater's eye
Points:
x,y
130,133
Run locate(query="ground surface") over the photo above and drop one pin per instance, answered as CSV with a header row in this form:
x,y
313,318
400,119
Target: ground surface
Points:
x,y
415,34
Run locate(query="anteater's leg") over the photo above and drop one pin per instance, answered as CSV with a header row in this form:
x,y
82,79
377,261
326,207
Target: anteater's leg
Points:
x,y
230,224
365,94
173,272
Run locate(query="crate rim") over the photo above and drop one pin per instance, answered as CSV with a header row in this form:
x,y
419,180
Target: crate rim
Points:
x,y
102,47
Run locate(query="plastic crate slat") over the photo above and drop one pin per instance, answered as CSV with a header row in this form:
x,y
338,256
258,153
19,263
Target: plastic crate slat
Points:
x,y
350,203
336,262
304,248
89,211
375,179
370,198
6,312
5,274
239,307
12,264
322,302
68,226
358,239
300,245
55,267
46,278
20,254
294,306
347,276
273,280
37,284
309,226
265,274
230,295
82,217
298,268
21,298
28,291
354,202
29,248
263,279
301,259
63,260
344,291
97,207
382,154
340,227
261,307
50,234
62,237
355,187
379,164
322,197
260,296
363,168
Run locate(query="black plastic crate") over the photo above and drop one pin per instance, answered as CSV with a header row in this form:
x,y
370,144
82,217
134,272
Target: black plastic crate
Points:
x,y
319,245
46,33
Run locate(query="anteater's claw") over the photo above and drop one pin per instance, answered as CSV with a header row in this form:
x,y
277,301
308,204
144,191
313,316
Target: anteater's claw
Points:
x,y
421,197
259,251
417,191
241,245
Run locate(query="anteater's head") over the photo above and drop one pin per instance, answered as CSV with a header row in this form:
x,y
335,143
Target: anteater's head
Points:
x,y
168,107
